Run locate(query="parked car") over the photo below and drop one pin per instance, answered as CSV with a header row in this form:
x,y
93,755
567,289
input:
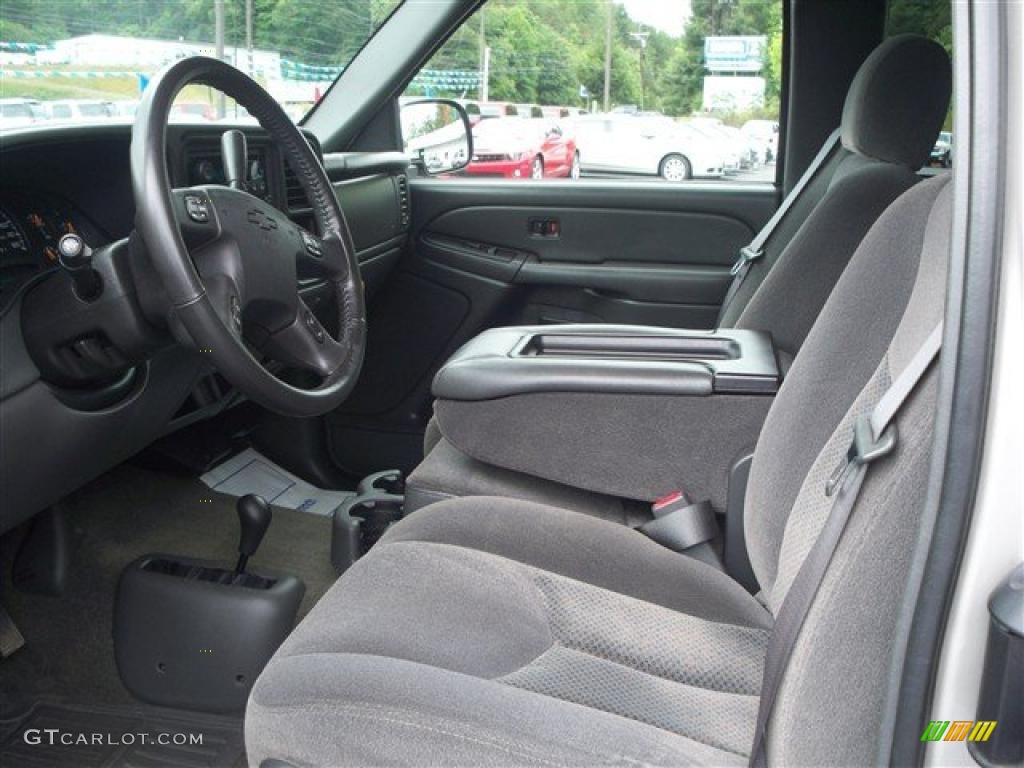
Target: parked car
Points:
x,y
942,152
531,148
764,135
16,113
191,111
81,109
734,147
126,108
655,146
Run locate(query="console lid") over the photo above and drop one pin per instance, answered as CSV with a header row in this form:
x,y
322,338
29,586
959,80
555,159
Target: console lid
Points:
x,y
609,359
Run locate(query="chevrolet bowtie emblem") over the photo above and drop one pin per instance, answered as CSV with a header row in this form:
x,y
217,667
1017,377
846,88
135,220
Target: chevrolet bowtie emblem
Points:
x,y
260,219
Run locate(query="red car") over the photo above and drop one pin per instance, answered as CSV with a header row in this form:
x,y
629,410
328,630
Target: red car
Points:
x,y
523,148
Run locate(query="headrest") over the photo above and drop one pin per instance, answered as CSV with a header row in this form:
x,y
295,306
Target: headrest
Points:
x,y
898,101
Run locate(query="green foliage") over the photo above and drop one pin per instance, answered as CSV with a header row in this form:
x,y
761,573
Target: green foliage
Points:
x,y
542,51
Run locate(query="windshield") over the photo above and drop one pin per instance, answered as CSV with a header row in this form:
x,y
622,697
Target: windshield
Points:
x,y
84,61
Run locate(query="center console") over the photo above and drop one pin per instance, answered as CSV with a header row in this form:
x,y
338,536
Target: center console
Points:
x,y
629,411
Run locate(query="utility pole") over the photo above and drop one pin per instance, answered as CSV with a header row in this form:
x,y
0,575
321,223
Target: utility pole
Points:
x,y
608,58
485,87
641,37
248,36
218,33
483,53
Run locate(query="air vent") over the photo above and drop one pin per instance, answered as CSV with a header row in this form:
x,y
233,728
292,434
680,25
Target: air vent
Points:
x,y
295,195
403,200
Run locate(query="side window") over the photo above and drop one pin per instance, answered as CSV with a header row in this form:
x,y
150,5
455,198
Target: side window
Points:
x,y
673,89
934,21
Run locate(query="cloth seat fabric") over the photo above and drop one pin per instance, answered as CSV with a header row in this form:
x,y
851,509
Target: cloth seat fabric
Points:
x,y
589,661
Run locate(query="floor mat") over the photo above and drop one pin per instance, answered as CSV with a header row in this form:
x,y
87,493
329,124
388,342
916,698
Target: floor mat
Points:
x,y
55,735
68,654
252,472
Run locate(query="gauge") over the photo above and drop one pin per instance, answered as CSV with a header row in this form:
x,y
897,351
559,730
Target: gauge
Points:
x,y
258,178
13,243
208,172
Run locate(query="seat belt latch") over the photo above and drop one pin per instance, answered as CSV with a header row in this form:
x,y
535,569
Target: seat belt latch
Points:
x,y
679,524
747,256
864,449
670,502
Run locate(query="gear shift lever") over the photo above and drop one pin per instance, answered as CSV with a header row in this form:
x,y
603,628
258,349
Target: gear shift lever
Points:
x,y
254,517
235,154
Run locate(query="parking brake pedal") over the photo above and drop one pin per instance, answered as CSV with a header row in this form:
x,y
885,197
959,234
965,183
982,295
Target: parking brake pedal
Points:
x,y
10,638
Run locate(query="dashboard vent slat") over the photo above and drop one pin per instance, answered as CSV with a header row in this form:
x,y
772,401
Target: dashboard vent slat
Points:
x,y
404,209
295,195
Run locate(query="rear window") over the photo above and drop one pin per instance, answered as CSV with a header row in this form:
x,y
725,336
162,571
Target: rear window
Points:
x,y
931,19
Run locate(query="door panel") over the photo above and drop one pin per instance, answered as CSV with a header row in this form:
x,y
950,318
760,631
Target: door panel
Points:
x,y
625,251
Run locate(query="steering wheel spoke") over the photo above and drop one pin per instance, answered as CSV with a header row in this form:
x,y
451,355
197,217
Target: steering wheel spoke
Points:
x,y
305,344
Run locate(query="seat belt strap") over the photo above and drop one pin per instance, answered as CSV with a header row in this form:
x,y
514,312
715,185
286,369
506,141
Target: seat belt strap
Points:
x,y
874,437
755,249
683,527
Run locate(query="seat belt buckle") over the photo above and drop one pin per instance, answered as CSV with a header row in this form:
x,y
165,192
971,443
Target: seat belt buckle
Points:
x,y
864,449
669,503
680,524
747,255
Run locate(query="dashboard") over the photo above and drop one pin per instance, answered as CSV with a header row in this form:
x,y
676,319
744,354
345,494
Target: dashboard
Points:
x,y
77,178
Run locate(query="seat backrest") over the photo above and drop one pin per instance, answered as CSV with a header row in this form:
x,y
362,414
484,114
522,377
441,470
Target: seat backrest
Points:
x,y
888,300
893,113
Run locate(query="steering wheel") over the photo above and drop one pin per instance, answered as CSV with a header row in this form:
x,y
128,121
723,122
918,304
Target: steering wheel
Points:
x,y
227,259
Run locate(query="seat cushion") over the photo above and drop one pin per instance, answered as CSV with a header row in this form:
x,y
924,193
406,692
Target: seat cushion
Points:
x,y
433,651
448,473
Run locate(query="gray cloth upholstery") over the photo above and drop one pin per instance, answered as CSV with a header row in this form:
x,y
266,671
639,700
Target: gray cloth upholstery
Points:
x,y
448,473
583,548
431,436
839,358
892,115
485,631
672,443
898,100
431,653
795,288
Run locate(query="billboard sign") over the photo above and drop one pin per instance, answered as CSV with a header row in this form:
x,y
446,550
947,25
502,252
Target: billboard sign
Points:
x,y
735,53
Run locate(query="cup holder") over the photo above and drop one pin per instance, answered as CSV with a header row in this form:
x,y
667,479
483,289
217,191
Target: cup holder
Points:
x,y
376,512
358,525
390,481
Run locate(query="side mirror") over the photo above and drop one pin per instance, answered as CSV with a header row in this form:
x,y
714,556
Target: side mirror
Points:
x,y
436,135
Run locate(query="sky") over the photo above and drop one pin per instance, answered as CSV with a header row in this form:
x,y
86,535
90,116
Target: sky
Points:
x,y
666,15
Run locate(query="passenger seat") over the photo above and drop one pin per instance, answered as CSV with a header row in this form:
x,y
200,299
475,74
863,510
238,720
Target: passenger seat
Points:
x,y
893,112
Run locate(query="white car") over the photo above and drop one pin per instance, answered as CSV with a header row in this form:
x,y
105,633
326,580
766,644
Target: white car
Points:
x,y
729,140
81,109
17,113
656,146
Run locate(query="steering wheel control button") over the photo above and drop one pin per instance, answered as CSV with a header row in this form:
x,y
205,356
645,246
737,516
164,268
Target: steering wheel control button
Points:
x,y
312,245
236,312
314,327
197,209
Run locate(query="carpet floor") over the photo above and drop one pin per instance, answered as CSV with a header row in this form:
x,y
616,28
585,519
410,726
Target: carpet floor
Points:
x,y
68,658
